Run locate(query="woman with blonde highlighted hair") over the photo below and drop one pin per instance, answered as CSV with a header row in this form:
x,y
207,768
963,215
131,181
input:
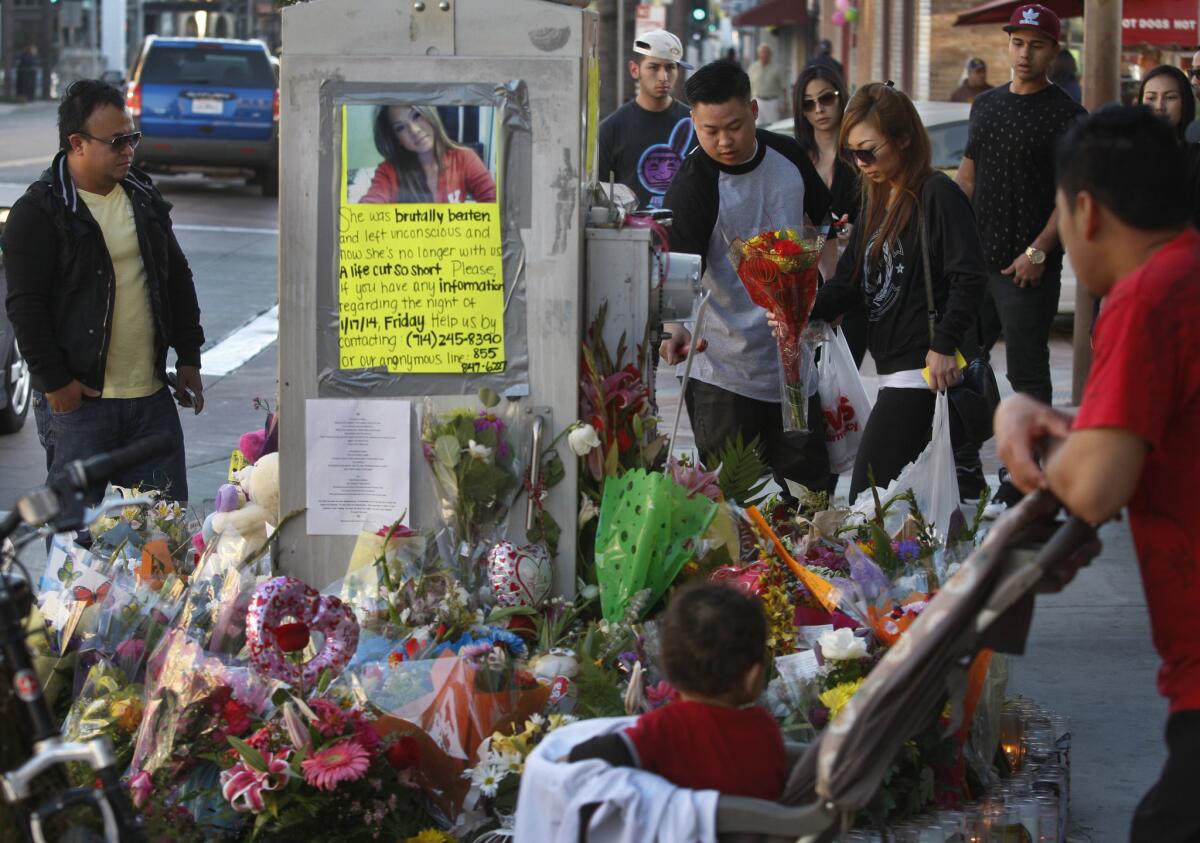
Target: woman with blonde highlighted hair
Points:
x,y
421,163
883,270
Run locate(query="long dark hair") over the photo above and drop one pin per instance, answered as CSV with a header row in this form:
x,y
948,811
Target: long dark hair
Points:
x,y
801,128
892,113
409,173
1188,112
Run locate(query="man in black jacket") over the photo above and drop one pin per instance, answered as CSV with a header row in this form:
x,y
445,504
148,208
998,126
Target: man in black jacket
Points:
x,y
98,289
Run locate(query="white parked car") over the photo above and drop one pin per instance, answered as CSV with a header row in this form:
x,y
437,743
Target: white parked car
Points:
x,y
946,123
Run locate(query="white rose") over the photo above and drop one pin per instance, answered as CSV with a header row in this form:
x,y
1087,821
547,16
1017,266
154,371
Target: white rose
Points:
x,y
842,645
583,440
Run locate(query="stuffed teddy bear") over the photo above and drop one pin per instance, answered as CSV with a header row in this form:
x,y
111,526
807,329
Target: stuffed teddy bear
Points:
x,y
260,484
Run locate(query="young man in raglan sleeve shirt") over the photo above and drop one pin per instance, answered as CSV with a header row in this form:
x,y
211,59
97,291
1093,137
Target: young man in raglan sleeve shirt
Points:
x,y
736,184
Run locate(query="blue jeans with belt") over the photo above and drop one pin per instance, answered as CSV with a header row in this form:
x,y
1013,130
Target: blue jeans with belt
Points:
x,y
103,424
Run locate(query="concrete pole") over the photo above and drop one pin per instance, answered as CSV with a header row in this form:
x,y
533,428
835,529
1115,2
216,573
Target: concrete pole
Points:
x,y
1101,86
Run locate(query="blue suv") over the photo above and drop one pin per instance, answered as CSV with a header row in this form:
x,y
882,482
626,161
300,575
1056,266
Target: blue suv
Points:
x,y
208,105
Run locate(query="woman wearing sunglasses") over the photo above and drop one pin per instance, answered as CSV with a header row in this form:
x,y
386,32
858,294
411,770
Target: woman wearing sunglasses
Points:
x,y
883,270
1165,90
820,100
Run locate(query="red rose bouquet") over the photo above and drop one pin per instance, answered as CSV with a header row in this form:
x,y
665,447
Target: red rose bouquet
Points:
x,y
779,271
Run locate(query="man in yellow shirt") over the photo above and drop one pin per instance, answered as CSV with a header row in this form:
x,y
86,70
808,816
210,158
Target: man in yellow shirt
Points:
x,y
98,291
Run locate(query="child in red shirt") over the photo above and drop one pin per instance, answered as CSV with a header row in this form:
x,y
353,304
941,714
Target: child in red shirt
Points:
x,y
1122,214
714,653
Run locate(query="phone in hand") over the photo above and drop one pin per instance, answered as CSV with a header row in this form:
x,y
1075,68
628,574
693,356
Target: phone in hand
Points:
x,y
183,396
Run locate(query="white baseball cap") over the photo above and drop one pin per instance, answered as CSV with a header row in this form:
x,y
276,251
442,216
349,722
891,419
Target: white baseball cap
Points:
x,y
660,44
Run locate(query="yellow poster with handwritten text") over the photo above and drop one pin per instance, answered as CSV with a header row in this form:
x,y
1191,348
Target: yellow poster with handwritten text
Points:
x,y
420,254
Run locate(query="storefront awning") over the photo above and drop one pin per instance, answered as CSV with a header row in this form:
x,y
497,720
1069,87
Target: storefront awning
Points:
x,y
1000,11
1159,23
774,13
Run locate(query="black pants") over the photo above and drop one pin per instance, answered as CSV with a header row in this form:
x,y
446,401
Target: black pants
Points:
x,y
897,432
719,415
1024,316
1170,812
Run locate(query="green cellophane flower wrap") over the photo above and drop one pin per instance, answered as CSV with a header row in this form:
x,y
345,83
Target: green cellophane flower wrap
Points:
x,y
649,528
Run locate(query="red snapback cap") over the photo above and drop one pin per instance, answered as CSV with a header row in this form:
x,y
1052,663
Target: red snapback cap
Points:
x,y
1037,17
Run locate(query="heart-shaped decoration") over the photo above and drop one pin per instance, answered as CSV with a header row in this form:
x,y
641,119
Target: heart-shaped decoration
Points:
x,y
284,597
519,576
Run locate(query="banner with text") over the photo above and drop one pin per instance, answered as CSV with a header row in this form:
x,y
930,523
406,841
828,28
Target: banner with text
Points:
x,y
420,255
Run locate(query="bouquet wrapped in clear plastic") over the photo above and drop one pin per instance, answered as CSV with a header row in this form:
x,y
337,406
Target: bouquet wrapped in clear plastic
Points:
x,y
476,467
779,272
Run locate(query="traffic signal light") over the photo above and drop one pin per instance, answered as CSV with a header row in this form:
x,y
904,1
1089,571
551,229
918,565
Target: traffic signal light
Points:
x,y
699,13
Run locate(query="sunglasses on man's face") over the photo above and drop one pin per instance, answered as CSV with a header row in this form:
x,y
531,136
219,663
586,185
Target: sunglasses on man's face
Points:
x,y
866,157
824,100
1194,73
118,143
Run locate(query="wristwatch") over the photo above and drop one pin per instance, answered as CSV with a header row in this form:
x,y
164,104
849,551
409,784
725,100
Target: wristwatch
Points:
x,y
1036,256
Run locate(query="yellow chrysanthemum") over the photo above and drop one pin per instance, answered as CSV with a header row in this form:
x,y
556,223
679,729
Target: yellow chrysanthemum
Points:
x,y
432,835
835,698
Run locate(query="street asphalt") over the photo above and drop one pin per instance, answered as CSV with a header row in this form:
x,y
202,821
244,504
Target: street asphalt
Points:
x,y
1089,654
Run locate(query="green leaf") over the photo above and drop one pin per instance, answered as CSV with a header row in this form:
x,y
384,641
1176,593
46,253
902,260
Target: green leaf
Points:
x,y
743,473
251,755
280,696
448,451
498,615
324,680
612,462
553,470
488,397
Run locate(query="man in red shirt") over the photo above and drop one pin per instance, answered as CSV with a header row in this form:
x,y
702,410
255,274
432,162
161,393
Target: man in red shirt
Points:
x,y
1123,216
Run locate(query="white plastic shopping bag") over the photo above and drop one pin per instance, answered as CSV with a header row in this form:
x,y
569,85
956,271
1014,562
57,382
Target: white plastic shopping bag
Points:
x,y
931,476
844,401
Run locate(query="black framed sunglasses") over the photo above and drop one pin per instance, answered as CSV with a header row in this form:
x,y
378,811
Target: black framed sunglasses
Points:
x,y
865,157
1194,72
118,143
824,100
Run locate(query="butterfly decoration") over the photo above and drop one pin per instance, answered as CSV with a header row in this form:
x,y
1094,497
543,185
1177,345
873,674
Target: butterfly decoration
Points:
x,y
67,573
86,596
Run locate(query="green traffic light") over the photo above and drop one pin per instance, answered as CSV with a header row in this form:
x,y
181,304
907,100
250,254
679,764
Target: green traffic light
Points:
x,y
699,14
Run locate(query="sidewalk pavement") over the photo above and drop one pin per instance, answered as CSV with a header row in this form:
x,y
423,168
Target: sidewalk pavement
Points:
x,y
1089,655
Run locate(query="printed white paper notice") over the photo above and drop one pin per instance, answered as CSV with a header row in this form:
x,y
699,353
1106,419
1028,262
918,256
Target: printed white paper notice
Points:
x,y
358,466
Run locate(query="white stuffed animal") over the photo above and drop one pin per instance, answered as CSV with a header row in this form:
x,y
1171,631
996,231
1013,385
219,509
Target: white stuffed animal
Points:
x,y
260,482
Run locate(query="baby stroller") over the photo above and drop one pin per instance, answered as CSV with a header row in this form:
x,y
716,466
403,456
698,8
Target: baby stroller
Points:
x,y
987,604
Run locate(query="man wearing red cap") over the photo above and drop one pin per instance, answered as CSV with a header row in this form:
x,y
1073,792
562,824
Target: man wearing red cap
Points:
x,y
1008,171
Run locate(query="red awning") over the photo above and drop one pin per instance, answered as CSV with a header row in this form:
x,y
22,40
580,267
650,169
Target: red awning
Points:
x,y
774,13
1000,11
1159,23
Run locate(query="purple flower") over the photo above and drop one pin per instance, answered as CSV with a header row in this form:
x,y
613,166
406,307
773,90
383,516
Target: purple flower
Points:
x,y
488,421
908,550
869,577
427,450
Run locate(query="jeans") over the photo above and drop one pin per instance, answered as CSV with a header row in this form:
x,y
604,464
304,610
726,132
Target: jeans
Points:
x,y
103,424
719,415
1168,813
1024,316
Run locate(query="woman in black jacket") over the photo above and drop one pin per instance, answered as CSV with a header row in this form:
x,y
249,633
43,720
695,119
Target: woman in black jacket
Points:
x,y
1165,90
819,102
882,270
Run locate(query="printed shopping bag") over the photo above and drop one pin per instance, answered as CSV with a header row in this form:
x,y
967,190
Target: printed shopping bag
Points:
x,y
844,401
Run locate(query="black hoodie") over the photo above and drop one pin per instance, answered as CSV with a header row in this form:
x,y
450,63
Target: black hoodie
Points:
x,y
61,284
893,290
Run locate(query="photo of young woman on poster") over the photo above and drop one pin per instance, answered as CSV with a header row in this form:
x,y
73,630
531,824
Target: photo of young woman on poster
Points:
x,y
421,163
